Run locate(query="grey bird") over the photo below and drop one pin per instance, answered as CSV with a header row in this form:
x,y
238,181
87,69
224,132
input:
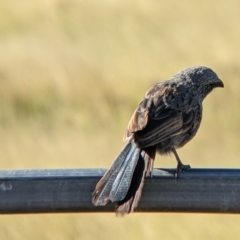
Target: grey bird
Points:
x,y
167,118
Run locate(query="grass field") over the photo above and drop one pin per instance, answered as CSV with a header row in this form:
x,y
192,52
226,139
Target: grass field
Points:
x,y
72,73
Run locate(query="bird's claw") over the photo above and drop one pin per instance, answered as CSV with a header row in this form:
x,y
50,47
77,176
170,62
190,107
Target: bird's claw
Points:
x,y
180,168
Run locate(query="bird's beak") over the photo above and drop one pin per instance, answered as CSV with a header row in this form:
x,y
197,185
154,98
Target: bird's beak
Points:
x,y
220,83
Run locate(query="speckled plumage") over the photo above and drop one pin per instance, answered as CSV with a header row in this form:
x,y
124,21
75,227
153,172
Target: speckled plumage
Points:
x,y
167,118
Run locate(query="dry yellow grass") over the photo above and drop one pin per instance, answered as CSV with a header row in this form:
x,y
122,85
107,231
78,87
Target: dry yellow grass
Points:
x,y
71,74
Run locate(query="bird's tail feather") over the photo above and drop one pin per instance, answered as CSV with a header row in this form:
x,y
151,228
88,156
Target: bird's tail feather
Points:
x,y
123,182
143,168
103,189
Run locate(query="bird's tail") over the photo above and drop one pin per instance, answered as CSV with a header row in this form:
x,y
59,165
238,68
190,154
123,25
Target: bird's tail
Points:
x,y
123,182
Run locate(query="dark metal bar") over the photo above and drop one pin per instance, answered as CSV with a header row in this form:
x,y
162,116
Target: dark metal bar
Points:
x,y
49,191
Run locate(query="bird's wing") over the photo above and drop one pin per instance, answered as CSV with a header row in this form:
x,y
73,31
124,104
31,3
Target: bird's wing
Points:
x,y
164,112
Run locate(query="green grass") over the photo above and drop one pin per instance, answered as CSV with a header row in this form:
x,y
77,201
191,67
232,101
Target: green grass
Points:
x,y
72,73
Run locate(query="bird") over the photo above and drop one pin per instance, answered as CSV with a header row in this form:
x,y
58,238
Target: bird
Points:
x,y
167,118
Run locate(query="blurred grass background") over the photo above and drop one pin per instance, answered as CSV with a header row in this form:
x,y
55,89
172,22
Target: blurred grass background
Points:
x,y
71,74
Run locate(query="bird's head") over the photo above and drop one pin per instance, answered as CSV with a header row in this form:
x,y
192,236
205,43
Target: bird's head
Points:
x,y
203,78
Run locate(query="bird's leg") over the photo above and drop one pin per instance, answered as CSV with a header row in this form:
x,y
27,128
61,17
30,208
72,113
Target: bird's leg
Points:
x,y
180,165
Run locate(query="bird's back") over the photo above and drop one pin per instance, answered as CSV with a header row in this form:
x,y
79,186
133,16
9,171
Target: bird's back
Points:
x,y
168,116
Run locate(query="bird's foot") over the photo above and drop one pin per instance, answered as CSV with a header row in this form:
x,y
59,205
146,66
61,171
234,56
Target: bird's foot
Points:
x,y
180,168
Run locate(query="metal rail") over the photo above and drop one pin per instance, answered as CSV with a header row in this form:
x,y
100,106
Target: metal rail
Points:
x,y
69,190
